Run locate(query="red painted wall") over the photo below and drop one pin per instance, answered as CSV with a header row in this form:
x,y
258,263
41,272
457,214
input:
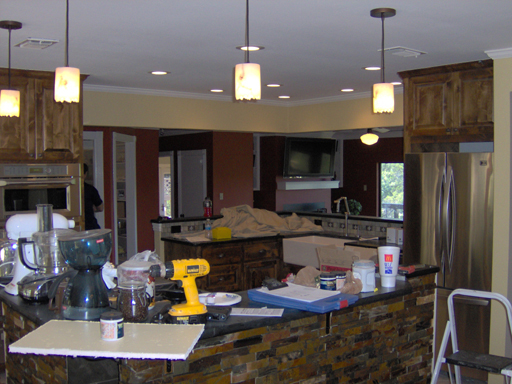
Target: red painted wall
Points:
x,y
360,168
232,170
229,169
147,180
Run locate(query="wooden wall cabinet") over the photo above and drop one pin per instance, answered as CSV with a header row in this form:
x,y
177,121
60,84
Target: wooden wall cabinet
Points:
x,y
45,131
448,104
234,266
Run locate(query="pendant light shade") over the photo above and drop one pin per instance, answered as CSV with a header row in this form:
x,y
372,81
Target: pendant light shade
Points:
x,y
67,85
10,98
383,95
383,98
247,75
67,79
10,103
247,81
369,138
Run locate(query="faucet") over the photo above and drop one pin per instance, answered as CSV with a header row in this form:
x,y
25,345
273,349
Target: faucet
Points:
x,y
347,211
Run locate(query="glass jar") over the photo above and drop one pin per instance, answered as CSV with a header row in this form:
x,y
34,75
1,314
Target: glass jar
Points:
x,y
133,303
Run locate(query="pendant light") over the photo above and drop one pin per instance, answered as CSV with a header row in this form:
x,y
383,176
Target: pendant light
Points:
x,y
247,74
10,98
67,79
383,97
369,138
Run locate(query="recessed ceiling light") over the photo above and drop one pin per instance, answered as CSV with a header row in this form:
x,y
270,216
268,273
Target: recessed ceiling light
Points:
x,y
217,90
284,97
274,85
159,73
372,68
396,83
250,48
347,90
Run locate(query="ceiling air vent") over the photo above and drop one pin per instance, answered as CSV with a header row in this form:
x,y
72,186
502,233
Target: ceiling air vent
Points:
x,y
35,43
404,52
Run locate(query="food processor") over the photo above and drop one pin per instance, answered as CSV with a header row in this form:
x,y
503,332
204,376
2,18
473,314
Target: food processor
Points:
x,y
20,229
86,295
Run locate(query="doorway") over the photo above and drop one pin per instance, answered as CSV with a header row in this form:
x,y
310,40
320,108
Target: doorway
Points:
x,y
191,182
93,157
125,197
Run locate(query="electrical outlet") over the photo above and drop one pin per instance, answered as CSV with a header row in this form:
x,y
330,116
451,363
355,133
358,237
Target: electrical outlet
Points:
x,y
221,196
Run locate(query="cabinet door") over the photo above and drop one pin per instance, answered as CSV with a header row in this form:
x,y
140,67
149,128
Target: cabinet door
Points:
x,y
473,109
222,278
17,133
59,127
261,250
257,271
430,105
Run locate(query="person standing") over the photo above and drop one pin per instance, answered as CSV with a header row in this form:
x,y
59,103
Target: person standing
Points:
x,y
92,203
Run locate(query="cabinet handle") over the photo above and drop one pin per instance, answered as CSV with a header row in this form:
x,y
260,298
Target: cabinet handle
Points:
x,y
221,278
262,251
220,255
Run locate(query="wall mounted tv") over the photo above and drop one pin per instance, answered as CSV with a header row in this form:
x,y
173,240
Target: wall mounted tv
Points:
x,y
308,157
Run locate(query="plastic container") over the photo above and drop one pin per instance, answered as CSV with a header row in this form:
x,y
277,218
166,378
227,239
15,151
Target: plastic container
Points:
x,y
111,325
132,302
207,207
208,228
365,271
340,280
327,281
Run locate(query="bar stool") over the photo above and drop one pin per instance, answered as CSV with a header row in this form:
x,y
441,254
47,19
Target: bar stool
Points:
x,y
486,362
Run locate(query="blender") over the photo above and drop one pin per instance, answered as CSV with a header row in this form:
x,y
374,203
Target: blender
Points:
x,y
86,295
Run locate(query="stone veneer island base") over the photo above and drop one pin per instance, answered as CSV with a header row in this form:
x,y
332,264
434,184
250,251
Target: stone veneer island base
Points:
x,y
386,338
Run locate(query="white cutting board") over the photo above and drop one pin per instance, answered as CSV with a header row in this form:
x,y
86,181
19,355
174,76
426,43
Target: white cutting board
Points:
x,y
83,338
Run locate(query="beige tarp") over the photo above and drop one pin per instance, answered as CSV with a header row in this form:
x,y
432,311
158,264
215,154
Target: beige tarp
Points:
x,y
245,221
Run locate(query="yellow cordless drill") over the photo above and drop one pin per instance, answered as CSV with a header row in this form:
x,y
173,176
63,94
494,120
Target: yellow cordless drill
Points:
x,y
185,271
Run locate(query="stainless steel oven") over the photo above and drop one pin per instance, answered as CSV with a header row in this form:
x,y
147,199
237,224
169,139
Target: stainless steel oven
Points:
x,y
23,186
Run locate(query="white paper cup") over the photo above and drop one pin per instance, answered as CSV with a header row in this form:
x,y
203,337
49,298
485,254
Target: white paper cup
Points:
x,y
388,265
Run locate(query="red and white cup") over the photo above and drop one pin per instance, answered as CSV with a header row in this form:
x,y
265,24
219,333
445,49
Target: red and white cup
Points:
x,y
388,265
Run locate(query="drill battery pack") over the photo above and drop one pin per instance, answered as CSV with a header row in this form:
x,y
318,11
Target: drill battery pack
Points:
x,y
190,319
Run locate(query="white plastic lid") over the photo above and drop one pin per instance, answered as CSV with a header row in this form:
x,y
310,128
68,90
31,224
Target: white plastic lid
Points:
x,y
364,264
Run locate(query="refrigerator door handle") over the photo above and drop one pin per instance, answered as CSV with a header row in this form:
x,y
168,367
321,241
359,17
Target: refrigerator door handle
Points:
x,y
449,217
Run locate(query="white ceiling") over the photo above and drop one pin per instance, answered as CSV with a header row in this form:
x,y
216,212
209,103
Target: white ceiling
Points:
x,y
313,47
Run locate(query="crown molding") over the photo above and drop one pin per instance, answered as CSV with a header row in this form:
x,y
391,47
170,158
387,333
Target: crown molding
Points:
x,y
504,53
200,96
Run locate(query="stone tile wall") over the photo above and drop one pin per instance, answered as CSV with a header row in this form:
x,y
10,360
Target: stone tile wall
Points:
x,y
385,342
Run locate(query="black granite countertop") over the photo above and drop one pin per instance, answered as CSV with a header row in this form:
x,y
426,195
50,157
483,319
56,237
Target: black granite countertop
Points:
x,y
40,313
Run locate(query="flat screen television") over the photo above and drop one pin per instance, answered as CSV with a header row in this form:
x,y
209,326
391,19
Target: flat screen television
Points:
x,y
307,157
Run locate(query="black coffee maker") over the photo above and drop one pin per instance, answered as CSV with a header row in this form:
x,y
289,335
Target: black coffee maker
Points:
x,y
86,295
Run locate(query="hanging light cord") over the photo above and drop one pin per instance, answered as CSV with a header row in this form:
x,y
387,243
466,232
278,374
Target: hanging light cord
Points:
x,y
9,72
67,33
247,31
382,76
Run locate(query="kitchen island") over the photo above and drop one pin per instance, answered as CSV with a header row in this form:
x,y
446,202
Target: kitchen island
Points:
x,y
385,337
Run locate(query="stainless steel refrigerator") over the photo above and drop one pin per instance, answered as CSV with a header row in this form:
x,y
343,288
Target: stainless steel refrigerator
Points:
x,y
448,218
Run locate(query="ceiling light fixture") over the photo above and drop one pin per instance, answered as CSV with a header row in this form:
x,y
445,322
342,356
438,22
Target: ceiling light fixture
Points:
x,y
383,97
371,68
247,75
347,90
284,97
217,90
251,48
67,79
369,138
10,98
273,85
159,73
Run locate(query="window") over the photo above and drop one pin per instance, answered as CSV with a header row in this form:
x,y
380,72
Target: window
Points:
x,y
392,190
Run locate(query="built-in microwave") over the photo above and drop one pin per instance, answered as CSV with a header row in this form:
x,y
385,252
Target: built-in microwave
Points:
x,y
23,186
